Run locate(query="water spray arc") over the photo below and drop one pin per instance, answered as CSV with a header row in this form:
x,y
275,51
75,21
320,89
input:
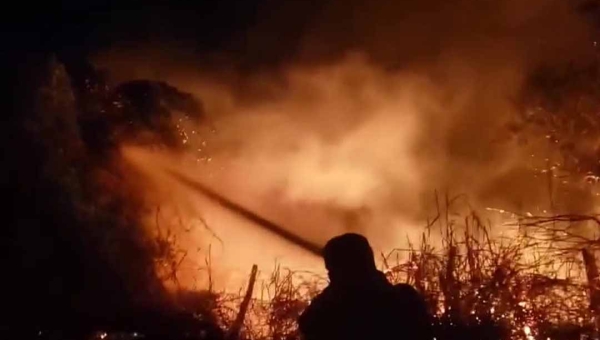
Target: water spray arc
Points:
x,y
247,214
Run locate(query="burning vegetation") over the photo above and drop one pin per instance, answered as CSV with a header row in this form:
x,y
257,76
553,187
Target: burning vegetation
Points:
x,y
540,282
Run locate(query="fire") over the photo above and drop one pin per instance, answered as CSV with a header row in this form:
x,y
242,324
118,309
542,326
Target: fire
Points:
x,y
215,242
319,159
418,158
484,201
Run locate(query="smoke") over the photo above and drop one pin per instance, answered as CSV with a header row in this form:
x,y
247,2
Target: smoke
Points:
x,y
380,105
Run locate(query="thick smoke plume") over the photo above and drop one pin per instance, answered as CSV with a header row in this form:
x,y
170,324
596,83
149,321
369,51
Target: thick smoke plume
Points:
x,y
380,105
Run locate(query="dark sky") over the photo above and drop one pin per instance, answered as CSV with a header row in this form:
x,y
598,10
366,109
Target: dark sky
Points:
x,y
254,31
202,26
72,19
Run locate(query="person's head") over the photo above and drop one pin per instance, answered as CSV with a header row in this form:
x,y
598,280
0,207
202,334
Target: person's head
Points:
x,y
349,258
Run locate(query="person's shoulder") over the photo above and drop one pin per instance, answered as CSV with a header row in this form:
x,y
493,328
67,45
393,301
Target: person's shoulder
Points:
x,y
318,310
408,294
317,304
406,289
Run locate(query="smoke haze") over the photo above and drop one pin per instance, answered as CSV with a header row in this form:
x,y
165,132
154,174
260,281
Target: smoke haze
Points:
x,y
353,116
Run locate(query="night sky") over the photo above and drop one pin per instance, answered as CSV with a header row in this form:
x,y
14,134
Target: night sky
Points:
x,y
256,31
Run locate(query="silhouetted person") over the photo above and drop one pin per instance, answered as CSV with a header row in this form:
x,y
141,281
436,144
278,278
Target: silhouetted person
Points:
x,y
359,302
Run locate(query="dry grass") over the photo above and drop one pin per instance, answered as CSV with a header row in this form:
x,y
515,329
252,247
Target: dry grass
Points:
x,y
522,287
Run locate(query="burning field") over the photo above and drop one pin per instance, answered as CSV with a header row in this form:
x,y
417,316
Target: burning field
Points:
x,y
159,191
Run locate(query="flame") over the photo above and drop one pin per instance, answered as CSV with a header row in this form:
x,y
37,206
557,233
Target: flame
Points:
x,y
321,158
354,145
